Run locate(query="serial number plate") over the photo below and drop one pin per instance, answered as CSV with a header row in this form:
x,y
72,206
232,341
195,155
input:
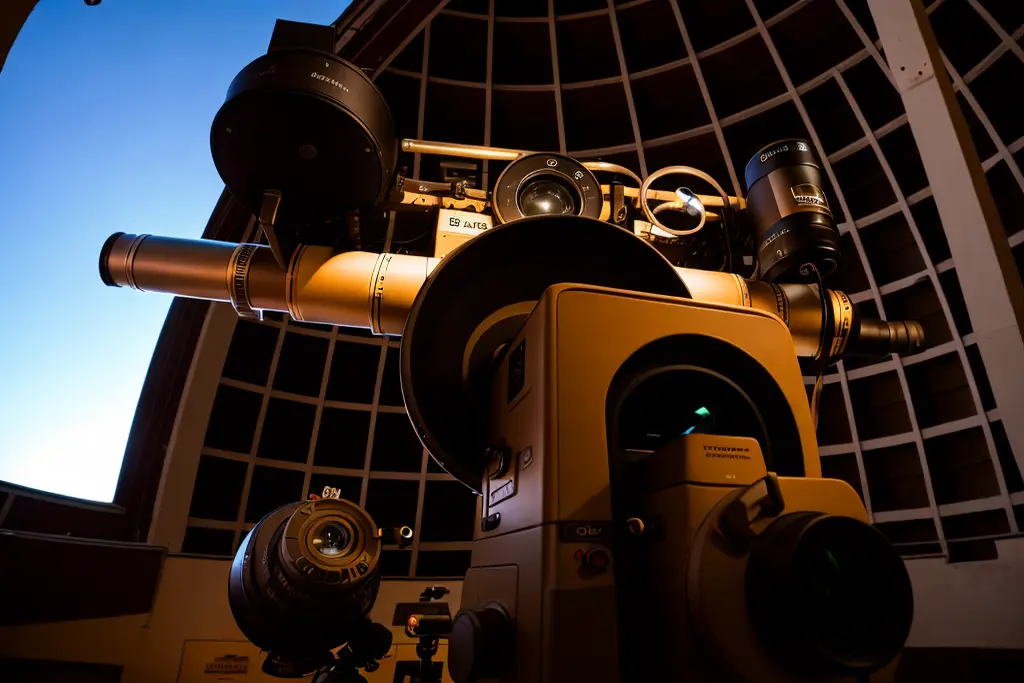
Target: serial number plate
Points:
x,y
465,222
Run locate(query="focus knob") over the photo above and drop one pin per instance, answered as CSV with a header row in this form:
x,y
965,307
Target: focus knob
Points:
x,y
481,645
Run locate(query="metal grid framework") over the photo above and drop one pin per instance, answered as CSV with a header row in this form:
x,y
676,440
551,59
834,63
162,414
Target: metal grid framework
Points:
x,y
648,83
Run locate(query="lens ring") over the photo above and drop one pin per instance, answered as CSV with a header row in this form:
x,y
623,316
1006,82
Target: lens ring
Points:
x,y
508,187
283,608
300,558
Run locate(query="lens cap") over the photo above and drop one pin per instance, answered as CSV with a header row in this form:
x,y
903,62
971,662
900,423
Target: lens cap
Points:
x,y
507,265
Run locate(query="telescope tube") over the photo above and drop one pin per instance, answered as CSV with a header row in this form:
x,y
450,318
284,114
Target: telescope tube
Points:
x,y
376,291
828,332
352,289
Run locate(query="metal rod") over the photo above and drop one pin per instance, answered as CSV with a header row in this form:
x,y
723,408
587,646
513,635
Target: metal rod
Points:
x,y
738,203
463,151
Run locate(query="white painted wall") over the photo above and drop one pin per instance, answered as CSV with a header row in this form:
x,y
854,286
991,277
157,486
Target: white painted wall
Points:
x,y
191,604
970,604
974,604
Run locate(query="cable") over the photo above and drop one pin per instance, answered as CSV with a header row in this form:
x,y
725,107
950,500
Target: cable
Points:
x,y
815,398
822,360
727,209
681,170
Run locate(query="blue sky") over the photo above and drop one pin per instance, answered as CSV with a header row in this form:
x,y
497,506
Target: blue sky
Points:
x,y
105,119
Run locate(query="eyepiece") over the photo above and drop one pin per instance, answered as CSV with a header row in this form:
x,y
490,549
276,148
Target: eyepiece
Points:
x,y
548,194
108,246
330,539
880,338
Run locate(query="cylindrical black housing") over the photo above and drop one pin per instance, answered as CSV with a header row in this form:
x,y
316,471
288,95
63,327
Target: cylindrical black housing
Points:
x,y
828,592
790,213
310,126
880,338
305,578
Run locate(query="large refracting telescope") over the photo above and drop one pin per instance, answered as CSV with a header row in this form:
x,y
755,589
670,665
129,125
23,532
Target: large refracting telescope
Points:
x,y
613,363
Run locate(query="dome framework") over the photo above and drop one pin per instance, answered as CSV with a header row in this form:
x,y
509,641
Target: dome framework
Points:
x,y
645,84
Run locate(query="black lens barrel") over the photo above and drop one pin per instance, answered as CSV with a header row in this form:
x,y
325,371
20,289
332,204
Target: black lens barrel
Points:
x,y
792,221
829,593
292,600
881,338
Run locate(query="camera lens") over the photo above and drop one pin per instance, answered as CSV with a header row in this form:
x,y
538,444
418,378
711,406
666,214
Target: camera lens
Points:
x,y
790,213
547,194
330,539
305,577
830,590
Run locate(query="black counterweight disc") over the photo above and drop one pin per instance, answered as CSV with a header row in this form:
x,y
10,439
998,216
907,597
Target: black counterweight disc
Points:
x,y
309,125
506,265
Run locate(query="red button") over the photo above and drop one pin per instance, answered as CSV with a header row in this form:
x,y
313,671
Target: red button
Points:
x,y
596,560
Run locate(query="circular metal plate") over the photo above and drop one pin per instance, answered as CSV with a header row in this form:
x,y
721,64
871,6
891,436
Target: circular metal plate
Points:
x,y
506,265
572,173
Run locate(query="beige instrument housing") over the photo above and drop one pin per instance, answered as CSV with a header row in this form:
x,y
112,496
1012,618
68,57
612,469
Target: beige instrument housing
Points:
x,y
560,474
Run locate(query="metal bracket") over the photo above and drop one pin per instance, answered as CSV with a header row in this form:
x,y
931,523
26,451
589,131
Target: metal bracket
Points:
x,y
268,214
761,499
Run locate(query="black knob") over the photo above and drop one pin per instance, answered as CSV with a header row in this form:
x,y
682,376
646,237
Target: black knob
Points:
x,y
481,645
498,459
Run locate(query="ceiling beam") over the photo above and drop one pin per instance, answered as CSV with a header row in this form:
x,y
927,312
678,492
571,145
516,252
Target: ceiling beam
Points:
x,y
989,279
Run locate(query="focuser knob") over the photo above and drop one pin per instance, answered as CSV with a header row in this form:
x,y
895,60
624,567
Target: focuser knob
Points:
x,y
481,645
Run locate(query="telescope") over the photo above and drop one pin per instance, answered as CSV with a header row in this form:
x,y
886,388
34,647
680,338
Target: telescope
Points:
x,y
582,350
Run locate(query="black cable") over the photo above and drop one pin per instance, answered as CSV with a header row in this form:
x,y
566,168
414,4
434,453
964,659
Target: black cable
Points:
x,y
410,241
821,361
727,209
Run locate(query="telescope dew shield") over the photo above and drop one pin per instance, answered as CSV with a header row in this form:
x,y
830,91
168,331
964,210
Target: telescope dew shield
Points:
x,y
792,221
